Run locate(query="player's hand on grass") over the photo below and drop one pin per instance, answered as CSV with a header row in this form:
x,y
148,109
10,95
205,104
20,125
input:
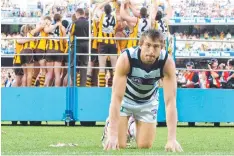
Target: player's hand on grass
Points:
x,y
173,146
111,143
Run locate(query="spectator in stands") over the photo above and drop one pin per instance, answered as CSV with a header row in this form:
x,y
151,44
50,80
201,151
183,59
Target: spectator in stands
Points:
x,y
180,78
191,77
39,6
203,79
229,36
213,77
230,77
206,35
8,81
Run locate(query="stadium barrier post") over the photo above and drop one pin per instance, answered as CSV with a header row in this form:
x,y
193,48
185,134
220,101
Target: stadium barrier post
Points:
x,y
68,93
74,75
74,102
69,63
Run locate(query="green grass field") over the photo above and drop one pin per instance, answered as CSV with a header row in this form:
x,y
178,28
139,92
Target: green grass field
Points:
x,y
27,140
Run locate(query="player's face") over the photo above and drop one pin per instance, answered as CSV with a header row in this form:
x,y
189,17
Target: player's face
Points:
x,y
150,50
48,22
42,23
215,64
189,67
229,65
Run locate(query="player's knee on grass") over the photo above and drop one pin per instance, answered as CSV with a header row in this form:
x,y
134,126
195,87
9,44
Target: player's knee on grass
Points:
x,y
146,145
123,128
123,145
145,133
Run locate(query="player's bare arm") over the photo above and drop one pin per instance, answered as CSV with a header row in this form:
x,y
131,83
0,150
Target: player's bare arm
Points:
x,y
168,11
21,40
50,28
124,14
170,87
24,32
154,11
127,9
135,12
98,10
118,91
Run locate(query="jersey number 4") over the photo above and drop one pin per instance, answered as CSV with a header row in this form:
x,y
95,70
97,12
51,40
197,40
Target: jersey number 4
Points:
x,y
110,21
56,31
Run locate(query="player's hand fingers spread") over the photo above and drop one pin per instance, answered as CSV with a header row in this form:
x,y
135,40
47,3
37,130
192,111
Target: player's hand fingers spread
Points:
x,y
109,147
179,148
106,146
173,149
168,148
113,146
173,146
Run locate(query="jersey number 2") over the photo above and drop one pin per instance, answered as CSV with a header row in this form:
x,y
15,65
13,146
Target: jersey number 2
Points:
x,y
143,28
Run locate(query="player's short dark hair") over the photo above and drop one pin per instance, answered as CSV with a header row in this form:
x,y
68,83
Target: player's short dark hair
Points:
x,y
153,34
190,63
159,16
29,27
65,23
231,62
143,12
23,30
80,11
107,9
57,17
47,18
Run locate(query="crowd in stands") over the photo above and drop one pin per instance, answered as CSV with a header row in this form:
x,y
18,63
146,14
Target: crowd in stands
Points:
x,y
9,4
67,9
207,79
205,46
185,79
18,13
64,7
204,8
8,46
186,8
8,9
7,77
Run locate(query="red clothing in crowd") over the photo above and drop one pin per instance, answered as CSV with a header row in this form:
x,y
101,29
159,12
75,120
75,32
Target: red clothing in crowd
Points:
x,y
210,80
